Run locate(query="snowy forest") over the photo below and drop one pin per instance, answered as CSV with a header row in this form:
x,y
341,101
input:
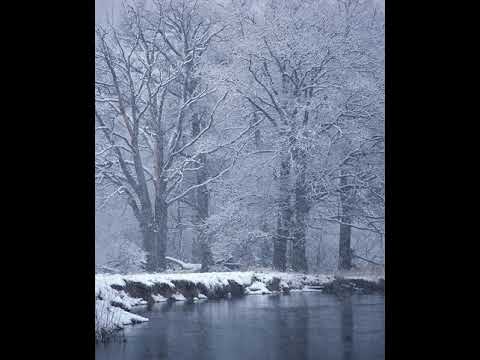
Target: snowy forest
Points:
x,y
240,135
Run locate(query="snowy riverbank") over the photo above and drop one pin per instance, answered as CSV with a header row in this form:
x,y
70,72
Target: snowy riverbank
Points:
x,y
116,295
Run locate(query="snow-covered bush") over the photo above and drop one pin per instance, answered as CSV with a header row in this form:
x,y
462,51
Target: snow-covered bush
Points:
x,y
105,326
127,257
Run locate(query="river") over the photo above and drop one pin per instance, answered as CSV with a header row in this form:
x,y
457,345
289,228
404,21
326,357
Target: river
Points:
x,y
264,327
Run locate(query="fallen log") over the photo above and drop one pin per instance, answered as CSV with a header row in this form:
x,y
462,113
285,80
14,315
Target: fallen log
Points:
x,y
184,265
367,260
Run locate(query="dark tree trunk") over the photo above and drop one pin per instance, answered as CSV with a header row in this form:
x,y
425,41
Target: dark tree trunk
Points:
x,y
161,207
284,217
201,245
202,215
280,246
154,233
265,247
148,235
161,232
344,255
179,227
257,134
202,198
302,207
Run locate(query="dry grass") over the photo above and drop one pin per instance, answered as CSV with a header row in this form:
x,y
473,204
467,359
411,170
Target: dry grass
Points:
x,y
106,327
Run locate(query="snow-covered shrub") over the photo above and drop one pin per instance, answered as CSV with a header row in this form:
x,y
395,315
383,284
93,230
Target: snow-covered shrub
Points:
x,y
105,326
123,256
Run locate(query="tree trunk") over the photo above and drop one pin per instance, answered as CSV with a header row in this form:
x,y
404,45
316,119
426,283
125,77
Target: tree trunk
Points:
x,y
154,233
302,207
202,198
161,207
345,258
202,215
178,246
146,216
344,255
161,231
148,235
284,216
201,245
257,133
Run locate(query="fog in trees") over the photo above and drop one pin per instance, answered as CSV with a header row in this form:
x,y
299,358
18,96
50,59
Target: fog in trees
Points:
x,y
245,134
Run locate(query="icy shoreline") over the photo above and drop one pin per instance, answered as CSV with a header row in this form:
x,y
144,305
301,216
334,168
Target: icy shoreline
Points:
x,y
116,295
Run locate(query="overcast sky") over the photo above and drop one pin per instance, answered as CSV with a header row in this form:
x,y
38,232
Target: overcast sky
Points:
x,y
102,7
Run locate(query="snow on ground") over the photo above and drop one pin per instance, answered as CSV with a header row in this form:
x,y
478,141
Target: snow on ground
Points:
x,y
178,297
159,298
367,277
257,288
109,318
294,280
114,299
118,298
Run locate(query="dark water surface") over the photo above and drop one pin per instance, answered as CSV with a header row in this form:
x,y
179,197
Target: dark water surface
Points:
x,y
299,326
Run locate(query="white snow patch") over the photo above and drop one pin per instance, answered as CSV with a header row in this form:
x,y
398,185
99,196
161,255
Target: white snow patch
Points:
x,y
109,317
307,289
257,288
159,298
178,297
184,265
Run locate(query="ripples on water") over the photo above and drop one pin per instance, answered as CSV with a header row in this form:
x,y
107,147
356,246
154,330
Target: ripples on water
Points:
x,y
299,326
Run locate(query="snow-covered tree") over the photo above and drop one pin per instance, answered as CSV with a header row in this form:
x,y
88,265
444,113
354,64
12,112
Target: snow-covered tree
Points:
x,y
246,130
147,98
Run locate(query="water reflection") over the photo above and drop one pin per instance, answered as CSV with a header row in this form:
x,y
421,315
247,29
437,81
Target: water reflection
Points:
x,y
290,329
346,327
299,326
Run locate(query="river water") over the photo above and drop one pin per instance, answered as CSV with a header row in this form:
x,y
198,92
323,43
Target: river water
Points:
x,y
264,327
